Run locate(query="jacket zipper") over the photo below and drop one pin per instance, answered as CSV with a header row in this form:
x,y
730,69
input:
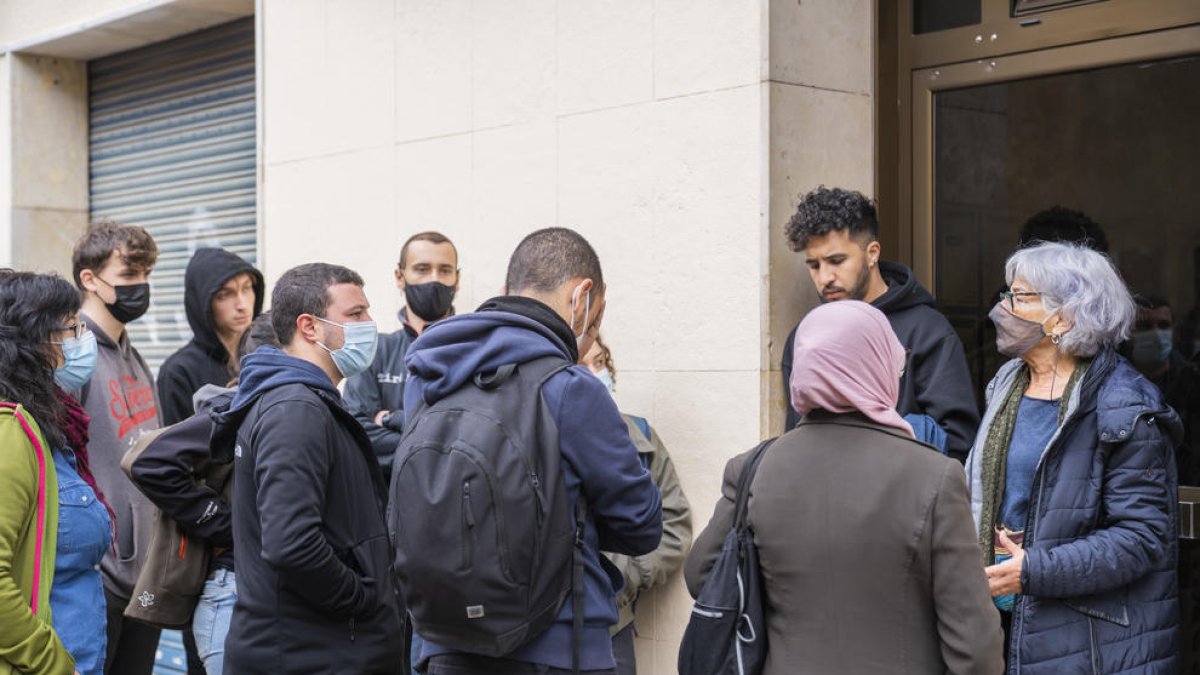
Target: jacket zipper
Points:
x,y
352,630
468,526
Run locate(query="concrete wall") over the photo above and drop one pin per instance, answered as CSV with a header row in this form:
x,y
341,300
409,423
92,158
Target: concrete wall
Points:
x,y
675,135
642,125
49,183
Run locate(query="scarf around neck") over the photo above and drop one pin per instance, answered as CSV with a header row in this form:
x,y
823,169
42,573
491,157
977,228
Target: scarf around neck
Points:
x,y
995,450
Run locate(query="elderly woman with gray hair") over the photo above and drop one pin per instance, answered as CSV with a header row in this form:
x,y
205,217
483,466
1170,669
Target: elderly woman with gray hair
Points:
x,y
1072,476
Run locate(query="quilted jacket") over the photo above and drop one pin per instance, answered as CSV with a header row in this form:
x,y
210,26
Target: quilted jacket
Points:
x,y
1100,591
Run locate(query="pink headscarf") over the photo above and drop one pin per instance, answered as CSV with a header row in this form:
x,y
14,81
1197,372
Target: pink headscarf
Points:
x,y
847,359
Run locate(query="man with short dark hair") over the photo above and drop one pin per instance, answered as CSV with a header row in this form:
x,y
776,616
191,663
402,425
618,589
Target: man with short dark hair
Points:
x,y
428,275
838,233
315,584
553,308
111,264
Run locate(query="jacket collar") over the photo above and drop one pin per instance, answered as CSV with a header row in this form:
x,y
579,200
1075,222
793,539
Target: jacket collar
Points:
x,y
853,419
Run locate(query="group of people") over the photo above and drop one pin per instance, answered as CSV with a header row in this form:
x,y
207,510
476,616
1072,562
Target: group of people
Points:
x,y
135,499
1054,551
302,494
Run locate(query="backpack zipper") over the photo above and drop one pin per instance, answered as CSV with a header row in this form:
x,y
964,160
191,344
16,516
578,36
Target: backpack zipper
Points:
x,y
468,525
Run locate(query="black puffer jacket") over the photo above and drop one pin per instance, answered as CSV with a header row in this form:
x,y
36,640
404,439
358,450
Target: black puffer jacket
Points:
x,y
203,360
316,593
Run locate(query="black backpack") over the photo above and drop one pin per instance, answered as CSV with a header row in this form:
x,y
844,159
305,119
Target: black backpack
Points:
x,y
486,547
727,634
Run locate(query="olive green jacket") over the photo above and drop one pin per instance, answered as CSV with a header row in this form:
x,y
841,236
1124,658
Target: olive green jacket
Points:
x,y
646,571
29,485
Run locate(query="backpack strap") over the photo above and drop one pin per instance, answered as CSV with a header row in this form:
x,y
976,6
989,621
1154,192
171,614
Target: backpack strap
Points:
x,y
577,590
492,380
742,504
41,502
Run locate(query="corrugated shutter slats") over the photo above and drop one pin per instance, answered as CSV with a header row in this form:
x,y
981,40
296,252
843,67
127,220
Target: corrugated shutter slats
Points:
x,y
173,149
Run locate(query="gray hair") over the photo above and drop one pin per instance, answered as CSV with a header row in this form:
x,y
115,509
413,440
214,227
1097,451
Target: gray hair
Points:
x,y
1084,287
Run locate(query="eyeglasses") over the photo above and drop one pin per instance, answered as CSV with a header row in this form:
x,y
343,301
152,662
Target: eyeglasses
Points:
x,y
77,330
1011,296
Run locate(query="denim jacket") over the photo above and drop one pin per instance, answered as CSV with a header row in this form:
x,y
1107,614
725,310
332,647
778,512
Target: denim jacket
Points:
x,y
77,595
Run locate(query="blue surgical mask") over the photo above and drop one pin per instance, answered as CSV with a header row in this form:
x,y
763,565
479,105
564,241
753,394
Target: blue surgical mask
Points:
x,y
79,354
1150,347
358,350
606,377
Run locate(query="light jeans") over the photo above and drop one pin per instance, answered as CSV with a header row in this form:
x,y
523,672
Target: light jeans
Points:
x,y
210,623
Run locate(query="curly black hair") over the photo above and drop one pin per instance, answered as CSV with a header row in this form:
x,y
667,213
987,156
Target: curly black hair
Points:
x,y
1058,223
32,308
826,210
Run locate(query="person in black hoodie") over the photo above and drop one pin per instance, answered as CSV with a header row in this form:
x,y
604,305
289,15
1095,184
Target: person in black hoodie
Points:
x,y
837,232
316,591
222,295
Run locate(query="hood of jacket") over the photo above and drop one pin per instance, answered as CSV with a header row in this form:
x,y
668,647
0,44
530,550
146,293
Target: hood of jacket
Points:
x,y
503,331
903,290
265,369
207,272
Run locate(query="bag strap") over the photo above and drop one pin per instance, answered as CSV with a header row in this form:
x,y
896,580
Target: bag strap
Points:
x,y
741,505
41,502
577,590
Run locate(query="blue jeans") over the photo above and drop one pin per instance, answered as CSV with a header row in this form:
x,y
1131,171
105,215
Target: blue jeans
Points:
x,y
210,623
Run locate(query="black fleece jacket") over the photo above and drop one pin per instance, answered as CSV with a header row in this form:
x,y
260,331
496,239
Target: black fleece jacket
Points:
x,y
204,360
936,381
316,591
175,472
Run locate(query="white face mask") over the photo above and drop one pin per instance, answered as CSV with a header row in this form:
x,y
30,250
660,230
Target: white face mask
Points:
x,y
587,311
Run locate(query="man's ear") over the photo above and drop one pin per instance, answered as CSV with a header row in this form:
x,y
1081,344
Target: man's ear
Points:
x,y
306,327
400,283
873,249
87,279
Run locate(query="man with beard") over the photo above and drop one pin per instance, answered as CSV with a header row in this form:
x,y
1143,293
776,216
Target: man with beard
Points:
x,y
428,275
837,232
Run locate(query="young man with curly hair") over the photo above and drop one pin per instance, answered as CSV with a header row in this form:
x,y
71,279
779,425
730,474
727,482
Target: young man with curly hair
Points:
x,y
837,232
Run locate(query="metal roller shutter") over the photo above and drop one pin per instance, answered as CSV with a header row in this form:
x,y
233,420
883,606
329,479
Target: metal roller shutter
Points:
x,y
172,143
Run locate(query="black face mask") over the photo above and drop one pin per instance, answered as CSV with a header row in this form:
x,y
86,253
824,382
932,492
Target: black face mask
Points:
x,y
132,301
430,301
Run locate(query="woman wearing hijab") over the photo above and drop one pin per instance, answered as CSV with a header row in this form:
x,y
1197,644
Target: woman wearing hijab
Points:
x,y
1072,476
54,524
864,535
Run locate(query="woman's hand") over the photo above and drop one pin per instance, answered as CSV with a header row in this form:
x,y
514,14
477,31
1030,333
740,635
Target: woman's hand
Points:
x,y
1005,578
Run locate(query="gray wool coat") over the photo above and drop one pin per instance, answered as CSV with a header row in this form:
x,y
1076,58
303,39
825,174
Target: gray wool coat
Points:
x,y
868,553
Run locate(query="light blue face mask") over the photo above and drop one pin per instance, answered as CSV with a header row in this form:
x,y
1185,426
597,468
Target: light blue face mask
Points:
x,y
358,350
606,377
79,354
1150,347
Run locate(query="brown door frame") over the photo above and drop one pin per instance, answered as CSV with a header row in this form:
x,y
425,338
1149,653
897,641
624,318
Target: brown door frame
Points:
x,y
999,48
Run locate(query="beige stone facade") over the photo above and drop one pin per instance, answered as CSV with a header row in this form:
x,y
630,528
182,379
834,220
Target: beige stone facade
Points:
x,y
674,134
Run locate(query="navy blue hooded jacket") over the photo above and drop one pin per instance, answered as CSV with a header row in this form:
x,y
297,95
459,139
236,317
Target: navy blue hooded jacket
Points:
x,y
600,460
1099,584
316,593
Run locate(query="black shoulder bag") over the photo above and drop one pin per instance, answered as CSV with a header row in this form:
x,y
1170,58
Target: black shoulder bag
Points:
x,y
726,634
